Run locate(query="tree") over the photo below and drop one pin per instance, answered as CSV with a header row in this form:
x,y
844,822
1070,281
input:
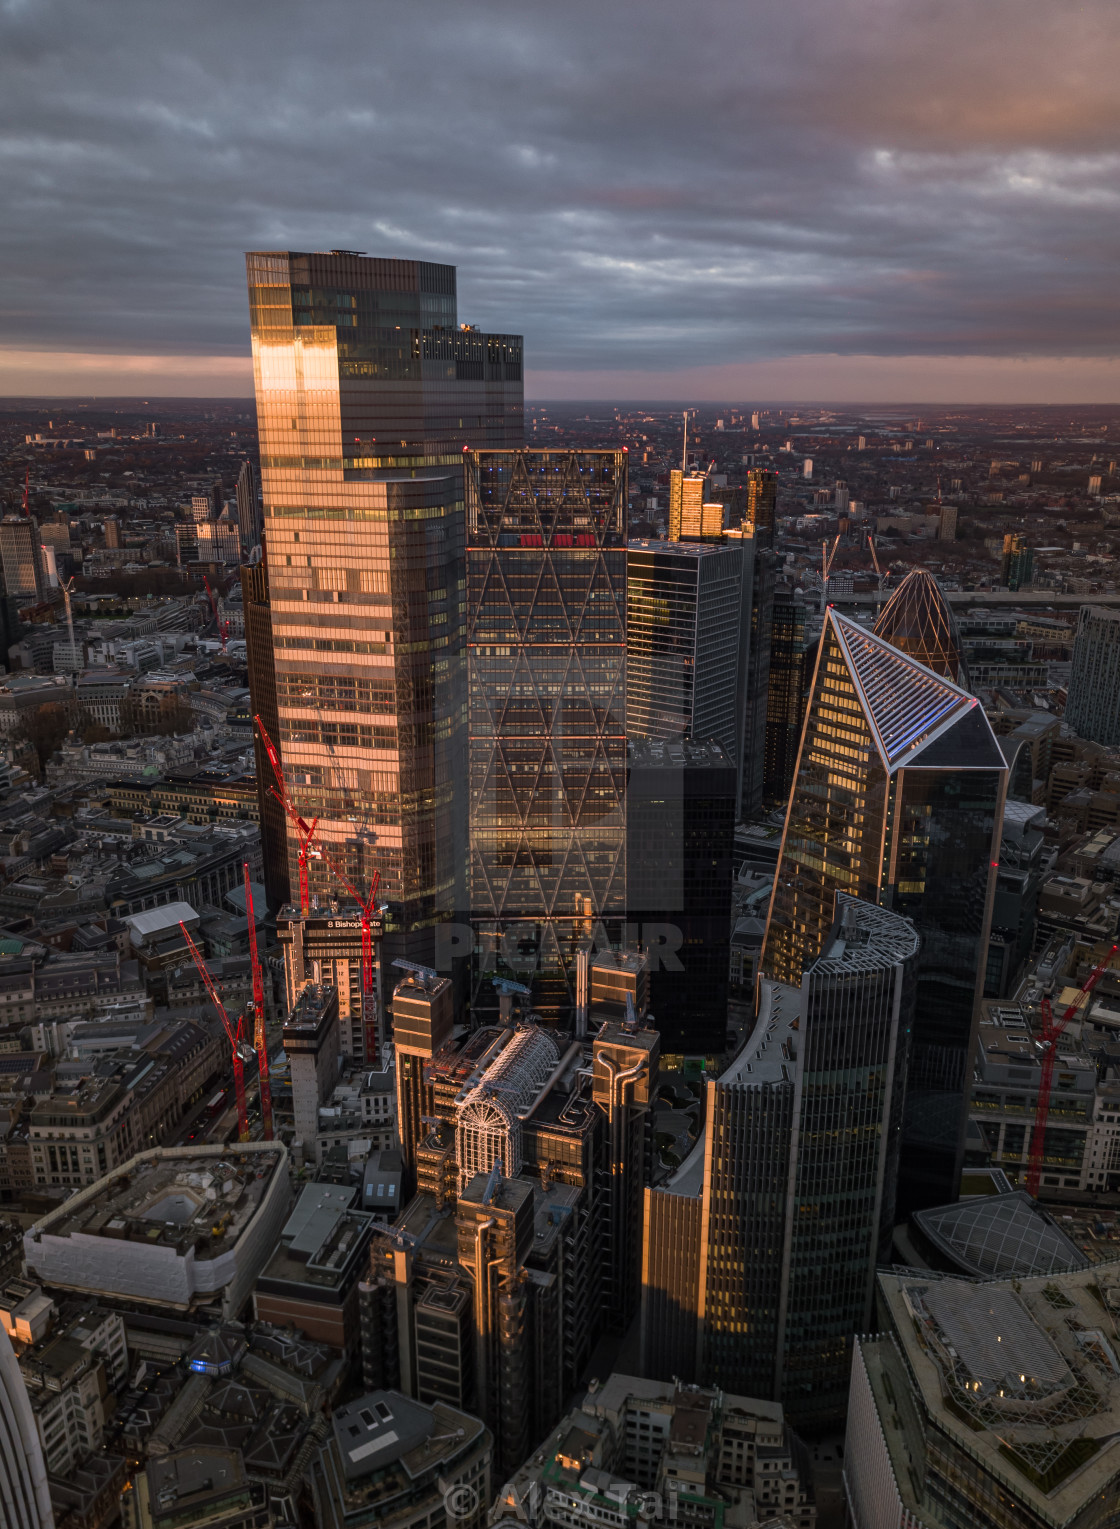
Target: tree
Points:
x,y
43,728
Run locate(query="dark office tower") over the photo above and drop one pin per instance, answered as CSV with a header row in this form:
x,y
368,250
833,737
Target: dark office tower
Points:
x,y
367,391
248,509
680,828
785,703
546,644
22,559
423,1019
897,799
918,620
1093,708
758,525
762,501
625,1059
683,633
800,1164
1017,567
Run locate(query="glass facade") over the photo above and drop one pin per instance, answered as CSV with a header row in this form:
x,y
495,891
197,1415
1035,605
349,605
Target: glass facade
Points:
x,y
800,1178
917,619
785,700
546,643
367,393
683,611
21,558
898,799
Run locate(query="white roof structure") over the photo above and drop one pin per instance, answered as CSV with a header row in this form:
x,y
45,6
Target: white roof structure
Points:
x,y
488,1128
157,921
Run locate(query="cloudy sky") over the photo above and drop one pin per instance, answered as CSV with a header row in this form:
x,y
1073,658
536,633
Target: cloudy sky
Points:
x,y
722,199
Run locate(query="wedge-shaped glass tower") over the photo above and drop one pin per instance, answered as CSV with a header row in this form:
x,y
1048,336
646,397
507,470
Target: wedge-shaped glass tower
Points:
x,y
546,656
917,619
897,799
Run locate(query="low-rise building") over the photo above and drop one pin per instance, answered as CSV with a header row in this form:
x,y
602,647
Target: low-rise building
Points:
x,y
987,1405
172,1230
311,1280
394,1461
643,1450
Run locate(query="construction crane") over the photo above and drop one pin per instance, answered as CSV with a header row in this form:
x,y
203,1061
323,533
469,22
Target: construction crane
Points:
x,y
66,588
222,626
260,1040
1048,1044
367,909
304,831
427,974
827,559
878,570
232,1035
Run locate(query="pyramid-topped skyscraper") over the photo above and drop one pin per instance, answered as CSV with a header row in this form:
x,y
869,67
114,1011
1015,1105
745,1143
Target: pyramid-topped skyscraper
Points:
x,y
897,799
917,619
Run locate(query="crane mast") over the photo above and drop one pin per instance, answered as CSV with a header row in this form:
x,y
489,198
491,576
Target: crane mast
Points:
x,y
260,1039
304,831
232,1035
1048,1042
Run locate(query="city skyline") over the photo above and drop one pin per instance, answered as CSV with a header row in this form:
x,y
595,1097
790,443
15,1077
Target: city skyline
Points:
x,y
749,205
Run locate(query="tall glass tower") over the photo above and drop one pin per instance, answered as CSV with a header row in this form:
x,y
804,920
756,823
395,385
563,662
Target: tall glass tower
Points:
x,y
368,390
918,619
25,1499
760,1253
684,640
546,643
801,1162
898,799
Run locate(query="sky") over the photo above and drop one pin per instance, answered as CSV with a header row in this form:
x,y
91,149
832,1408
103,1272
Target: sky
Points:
x,y
725,200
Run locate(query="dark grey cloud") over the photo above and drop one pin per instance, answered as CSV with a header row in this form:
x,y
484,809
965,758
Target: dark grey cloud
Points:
x,y
632,183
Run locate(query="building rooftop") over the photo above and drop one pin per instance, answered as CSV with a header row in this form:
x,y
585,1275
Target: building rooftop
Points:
x,y
1022,1373
198,1200
1000,1235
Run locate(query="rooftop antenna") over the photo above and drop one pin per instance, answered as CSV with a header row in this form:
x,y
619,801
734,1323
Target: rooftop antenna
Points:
x,y
684,449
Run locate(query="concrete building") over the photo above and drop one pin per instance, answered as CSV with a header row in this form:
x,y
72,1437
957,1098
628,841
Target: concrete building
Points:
x,y
311,1281
522,1243
1093,707
174,1229
311,1042
638,1451
990,1405
394,1461
205,1487
324,946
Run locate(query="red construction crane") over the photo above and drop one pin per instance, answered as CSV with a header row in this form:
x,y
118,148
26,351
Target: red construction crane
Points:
x,y
367,910
304,831
260,1040
232,1035
1048,1041
222,626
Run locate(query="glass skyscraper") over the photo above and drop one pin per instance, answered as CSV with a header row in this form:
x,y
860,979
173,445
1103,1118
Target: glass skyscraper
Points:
x,y
546,643
898,800
368,390
776,1222
918,619
785,701
683,640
